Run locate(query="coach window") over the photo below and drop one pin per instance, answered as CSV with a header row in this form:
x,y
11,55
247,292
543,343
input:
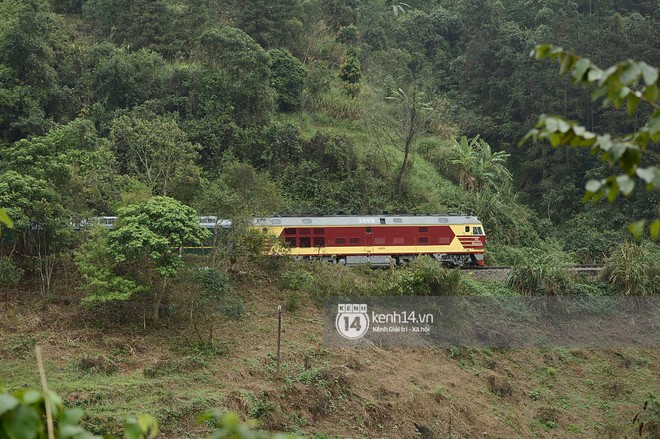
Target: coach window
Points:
x,y
467,229
304,242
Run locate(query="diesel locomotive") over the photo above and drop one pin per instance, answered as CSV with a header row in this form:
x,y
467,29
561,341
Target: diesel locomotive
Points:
x,y
379,240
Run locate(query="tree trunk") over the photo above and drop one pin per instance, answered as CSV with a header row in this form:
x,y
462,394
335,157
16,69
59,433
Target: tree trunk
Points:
x,y
408,140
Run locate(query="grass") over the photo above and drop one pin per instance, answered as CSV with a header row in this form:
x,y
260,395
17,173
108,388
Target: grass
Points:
x,y
587,388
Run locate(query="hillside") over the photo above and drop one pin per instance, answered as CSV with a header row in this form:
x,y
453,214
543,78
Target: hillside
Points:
x,y
157,112
321,392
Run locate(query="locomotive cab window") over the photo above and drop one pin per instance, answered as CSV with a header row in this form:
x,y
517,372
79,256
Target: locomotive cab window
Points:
x,y
467,229
477,231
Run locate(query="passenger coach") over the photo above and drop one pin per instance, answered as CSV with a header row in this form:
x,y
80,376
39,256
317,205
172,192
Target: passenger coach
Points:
x,y
455,240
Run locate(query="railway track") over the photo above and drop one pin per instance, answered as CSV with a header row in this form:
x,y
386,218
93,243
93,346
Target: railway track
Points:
x,y
500,272
583,267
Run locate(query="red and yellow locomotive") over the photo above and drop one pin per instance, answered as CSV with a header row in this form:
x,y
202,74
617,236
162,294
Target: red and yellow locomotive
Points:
x,y
379,240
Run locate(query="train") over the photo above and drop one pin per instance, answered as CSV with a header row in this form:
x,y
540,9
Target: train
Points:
x,y
378,240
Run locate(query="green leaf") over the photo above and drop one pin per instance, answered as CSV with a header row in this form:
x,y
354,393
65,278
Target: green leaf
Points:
x,y
580,69
626,184
654,123
612,192
541,51
650,175
71,416
4,219
148,424
7,402
567,62
637,228
22,423
651,92
654,229
630,73
650,74
145,426
593,186
132,429
595,74
31,396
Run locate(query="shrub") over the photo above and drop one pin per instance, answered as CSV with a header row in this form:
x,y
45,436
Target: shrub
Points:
x,y
213,282
633,269
296,280
213,296
10,274
426,277
547,275
287,76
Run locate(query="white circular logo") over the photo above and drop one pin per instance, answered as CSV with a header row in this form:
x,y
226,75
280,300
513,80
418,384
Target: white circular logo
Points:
x,y
352,321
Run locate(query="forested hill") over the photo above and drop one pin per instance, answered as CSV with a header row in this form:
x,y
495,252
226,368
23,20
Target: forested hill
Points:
x,y
316,106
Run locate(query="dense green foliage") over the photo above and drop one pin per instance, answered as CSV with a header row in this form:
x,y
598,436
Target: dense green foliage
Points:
x,y
319,107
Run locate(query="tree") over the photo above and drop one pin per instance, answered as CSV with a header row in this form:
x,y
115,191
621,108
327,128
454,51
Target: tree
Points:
x,y
411,119
628,82
350,72
287,78
240,69
148,239
157,151
40,221
99,269
480,167
272,23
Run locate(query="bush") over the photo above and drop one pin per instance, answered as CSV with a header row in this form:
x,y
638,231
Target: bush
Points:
x,y
296,280
213,296
633,269
546,275
213,282
287,76
10,274
426,277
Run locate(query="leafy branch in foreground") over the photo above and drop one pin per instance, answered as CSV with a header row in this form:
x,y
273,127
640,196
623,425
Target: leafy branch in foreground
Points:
x,y
628,82
23,416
